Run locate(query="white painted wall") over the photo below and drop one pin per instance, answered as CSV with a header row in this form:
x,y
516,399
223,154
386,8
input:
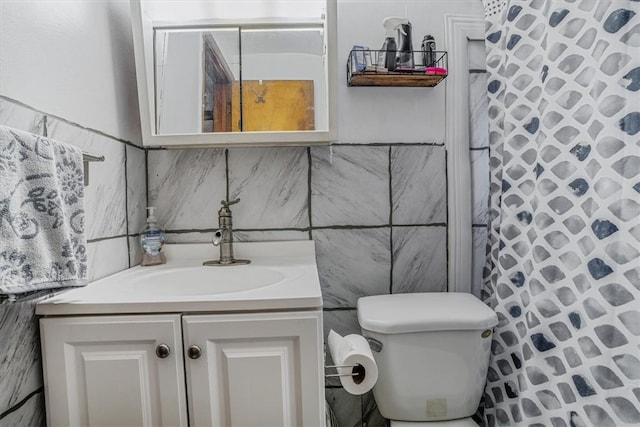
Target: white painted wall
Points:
x,y
393,114
73,59
179,73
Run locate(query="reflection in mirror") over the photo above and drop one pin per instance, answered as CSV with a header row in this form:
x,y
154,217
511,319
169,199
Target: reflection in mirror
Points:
x,y
189,66
240,78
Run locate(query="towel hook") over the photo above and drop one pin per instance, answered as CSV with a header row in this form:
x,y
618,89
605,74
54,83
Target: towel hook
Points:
x,y
86,158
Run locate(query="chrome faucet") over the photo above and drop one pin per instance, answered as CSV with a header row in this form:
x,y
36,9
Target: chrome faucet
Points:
x,y
223,237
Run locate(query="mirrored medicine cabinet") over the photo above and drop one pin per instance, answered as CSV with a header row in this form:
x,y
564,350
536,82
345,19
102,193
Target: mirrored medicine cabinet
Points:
x,y
235,72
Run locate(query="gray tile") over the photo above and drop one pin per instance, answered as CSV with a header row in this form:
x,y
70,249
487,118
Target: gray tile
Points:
x,y
419,259
478,111
418,184
352,264
272,184
19,117
31,414
346,407
187,186
371,417
480,185
479,236
191,237
349,185
20,362
136,189
344,322
105,209
106,257
477,55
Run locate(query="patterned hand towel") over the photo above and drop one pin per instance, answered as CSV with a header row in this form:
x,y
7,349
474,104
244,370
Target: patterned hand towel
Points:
x,y
42,241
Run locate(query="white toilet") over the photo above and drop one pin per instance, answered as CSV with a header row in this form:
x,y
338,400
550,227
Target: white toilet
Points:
x,y
432,352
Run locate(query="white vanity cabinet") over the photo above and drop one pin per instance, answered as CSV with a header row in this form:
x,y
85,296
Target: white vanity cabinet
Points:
x,y
104,371
182,344
249,369
255,370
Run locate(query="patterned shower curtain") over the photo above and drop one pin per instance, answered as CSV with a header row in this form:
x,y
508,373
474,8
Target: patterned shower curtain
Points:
x,y
563,268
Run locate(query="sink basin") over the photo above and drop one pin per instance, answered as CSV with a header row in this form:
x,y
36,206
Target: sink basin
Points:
x,y
281,276
192,281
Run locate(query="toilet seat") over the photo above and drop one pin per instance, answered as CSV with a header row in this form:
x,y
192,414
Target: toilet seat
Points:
x,y
460,422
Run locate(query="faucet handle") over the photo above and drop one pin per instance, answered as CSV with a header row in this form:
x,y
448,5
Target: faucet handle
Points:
x,y
227,203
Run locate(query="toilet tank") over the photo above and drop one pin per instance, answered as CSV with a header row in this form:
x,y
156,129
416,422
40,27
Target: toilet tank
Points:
x,y
434,353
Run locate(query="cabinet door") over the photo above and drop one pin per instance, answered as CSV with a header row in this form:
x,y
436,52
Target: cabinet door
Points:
x,y
104,371
262,370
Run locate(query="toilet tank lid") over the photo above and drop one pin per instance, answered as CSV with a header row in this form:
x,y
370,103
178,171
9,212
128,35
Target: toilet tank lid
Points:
x,y
422,312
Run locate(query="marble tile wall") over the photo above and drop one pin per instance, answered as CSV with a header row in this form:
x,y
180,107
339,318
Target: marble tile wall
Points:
x,y
114,205
376,212
479,156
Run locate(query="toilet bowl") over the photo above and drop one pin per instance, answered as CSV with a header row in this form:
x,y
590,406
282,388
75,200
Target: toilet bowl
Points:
x,y
432,351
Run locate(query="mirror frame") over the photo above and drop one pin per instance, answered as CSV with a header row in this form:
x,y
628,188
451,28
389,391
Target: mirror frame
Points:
x,y
145,75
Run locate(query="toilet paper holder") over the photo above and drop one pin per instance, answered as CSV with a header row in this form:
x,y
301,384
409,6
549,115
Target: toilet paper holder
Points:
x,y
357,372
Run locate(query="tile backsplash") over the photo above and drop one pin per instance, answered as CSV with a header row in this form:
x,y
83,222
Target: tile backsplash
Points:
x,y
376,212
114,213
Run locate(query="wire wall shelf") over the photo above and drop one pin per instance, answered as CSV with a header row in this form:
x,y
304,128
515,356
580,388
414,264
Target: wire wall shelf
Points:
x,y
363,69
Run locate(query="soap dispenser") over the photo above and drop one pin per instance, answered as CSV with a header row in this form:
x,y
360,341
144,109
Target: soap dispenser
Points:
x,y
152,240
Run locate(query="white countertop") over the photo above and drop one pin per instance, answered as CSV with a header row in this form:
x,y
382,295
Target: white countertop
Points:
x,y
281,276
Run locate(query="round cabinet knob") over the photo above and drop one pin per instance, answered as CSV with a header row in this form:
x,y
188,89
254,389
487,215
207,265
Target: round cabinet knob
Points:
x,y
163,351
194,352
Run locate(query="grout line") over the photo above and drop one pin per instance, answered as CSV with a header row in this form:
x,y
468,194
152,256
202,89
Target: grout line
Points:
x,y
390,144
126,205
101,239
477,71
309,165
351,227
390,222
339,308
44,126
479,225
21,403
146,179
446,203
329,227
226,172
478,148
433,224
22,104
239,230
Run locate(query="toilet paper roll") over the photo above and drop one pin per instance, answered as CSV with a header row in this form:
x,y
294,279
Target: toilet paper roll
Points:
x,y
353,350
